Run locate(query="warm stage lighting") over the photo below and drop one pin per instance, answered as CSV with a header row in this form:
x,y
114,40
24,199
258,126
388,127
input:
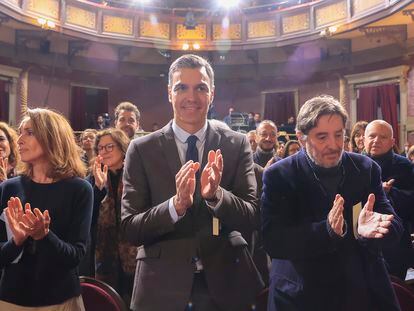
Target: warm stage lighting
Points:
x,y
186,46
228,3
196,46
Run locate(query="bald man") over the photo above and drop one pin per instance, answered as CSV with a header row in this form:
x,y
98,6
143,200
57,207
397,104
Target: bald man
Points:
x,y
398,184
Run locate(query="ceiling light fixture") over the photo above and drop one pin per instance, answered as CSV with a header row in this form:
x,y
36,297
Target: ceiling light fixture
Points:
x,y
228,4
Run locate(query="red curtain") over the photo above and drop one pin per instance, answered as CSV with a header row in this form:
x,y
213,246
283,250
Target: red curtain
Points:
x,y
383,96
387,98
367,104
4,102
279,107
77,113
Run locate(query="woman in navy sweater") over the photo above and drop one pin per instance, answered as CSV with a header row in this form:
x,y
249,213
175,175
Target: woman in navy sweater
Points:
x,y
44,241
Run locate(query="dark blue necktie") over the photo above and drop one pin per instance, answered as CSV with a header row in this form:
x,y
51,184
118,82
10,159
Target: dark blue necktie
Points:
x,y
192,152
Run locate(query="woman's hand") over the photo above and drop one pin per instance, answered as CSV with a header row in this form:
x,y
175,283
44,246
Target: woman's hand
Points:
x,y
14,216
36,223
4,164
100,174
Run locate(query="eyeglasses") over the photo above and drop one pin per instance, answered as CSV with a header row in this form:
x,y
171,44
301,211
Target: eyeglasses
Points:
x,y
108,148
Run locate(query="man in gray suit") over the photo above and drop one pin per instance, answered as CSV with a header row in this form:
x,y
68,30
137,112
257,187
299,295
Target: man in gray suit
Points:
x,y
185,208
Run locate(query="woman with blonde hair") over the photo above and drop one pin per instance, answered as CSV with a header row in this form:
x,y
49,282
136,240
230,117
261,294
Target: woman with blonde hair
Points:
x,y
9,156
45,240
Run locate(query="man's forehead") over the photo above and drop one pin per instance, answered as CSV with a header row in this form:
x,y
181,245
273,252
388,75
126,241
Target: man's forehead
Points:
x,y
186,75
329,123
127,113
379,129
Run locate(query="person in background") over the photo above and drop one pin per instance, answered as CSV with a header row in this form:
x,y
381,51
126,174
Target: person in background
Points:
x,y
87,141
44,241
155,127
397,174
127,117
100,123
291,147
252,138
357,136
325,219
250,121
257,118
114,257
227,119
9,155
266,142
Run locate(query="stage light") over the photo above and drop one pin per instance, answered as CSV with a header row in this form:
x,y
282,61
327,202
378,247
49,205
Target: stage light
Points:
x,y
228,3
185,46
50,24
196,46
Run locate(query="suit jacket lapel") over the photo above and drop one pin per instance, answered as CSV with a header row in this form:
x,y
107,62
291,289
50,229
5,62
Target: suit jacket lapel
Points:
x,y
212,143
169,148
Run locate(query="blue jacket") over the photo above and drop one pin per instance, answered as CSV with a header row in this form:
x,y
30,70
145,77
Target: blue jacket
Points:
x,y
312,268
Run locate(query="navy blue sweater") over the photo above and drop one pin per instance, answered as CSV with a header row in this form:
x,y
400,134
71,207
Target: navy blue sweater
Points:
x,y
46,274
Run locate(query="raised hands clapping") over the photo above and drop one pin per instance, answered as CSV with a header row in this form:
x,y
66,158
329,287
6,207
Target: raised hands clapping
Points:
x,y
25,223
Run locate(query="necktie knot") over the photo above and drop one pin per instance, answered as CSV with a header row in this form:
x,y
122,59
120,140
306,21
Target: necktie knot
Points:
x,y
192,152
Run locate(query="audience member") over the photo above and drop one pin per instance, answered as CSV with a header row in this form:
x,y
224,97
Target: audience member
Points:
x,y
114,257
185,211
326,248
87,141
357,136
397,174
9,155
257,118
155,127
45,240
252,138
250,121
266,142
291,147
227,119
127,118
100,123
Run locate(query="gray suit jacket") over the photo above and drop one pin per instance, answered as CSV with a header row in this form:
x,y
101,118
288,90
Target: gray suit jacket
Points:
x,y
166,251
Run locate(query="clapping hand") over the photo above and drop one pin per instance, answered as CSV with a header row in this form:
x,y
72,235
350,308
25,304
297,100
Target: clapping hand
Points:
x,y
211,175
14,215
372,224
387,185
100,174
185,182
36,223
336,215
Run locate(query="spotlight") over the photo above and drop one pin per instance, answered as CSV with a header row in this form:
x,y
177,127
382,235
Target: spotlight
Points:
x,y
185,46
41,21
50,24
228,3
196,46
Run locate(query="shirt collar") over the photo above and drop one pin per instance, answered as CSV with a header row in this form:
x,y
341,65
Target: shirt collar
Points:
x,y
182,135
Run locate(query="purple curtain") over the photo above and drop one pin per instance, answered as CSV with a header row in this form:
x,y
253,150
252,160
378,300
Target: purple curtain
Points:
x,y
279,107
387,98
77,112
4,102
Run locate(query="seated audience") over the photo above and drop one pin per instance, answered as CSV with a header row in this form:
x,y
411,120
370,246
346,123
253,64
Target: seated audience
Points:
x,y
114,258
397,174
357,136
9,156
43,243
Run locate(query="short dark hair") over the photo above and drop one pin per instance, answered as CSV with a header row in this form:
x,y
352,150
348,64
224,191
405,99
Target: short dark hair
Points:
x,y
119,136
191,61
127,106
315,108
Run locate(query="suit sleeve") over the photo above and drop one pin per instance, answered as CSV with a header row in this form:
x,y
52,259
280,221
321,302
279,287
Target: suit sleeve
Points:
x,y
239,209
284,235
141,223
